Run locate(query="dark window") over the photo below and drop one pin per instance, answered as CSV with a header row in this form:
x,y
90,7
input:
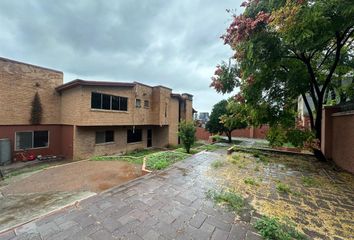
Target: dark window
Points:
x,y
96,100
115,103
35,139
123,103
104,136
137,103
40,139
146,104
134,135
108,102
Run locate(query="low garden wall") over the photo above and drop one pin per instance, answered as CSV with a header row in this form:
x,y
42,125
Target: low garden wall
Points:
x,y
337,142
249,132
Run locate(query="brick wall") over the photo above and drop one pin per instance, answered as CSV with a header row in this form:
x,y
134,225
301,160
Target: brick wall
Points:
x,y
85,137
250,132
19,82
337,141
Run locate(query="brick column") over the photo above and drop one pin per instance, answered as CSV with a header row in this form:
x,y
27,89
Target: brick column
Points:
x,y
326,131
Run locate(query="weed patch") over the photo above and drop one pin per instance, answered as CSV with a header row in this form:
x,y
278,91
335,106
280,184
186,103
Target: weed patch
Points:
x,y
162,160
251,181
283,188
217,164
272,229
231,200
310,182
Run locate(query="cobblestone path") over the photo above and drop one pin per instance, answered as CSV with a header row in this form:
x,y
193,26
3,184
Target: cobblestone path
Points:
x,y
166,205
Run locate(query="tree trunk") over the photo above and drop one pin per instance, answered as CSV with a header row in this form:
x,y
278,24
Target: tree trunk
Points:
x,y
228,134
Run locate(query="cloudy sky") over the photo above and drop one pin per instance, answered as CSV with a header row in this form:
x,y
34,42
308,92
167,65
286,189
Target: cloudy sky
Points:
x,y
173,43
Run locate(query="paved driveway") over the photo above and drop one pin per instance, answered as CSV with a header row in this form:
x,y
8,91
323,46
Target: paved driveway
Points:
x,y
167,205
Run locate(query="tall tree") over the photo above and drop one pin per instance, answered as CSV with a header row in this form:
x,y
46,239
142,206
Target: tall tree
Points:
x,y
286,48
226,117
214,125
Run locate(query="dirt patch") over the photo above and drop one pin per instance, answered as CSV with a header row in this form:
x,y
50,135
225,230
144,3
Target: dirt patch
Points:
x,y
93,176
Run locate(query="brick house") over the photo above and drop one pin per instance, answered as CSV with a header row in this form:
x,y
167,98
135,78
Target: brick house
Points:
x,y
86,118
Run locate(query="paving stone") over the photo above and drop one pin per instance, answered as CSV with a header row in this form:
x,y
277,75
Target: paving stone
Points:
x,y
151,235
101,234
218,223
198,220
220,235
252,236
238,231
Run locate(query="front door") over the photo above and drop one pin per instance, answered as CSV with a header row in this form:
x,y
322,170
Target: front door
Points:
x,y
149,138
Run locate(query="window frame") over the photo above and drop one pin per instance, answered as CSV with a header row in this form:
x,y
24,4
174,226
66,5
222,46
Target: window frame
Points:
x,y
32,139
105,137
120,99
137,103
146,104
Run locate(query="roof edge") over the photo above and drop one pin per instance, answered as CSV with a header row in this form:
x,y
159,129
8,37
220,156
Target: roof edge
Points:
x,y
80,82
28,64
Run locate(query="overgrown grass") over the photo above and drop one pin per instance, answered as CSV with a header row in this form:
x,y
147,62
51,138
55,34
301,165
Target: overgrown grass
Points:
x,y
161,160
310,182
217,164
251,181
231,200
272,229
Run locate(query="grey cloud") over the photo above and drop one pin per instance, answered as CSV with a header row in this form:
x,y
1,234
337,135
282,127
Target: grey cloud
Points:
x,y
173,43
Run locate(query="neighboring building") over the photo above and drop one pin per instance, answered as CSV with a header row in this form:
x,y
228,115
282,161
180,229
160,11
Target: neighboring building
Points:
x,y
202,119
86,118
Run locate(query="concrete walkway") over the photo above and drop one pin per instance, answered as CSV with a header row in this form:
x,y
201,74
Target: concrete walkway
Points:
x,y
167,205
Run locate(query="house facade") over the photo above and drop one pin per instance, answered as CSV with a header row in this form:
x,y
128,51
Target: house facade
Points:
x,y
86,118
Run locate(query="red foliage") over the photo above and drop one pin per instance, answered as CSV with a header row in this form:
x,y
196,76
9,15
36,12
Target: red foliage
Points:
x,y
217,84
250,80
242,27
239,98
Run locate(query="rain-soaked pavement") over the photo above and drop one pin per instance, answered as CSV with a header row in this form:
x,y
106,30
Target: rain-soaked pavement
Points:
x,y
29,196
167,205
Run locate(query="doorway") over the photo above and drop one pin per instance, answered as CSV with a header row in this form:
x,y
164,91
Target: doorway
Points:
x,y
149,138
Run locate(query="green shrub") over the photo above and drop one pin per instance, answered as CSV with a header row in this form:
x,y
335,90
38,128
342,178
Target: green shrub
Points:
x,y
272,229
187,134
232,200
298,137
276,136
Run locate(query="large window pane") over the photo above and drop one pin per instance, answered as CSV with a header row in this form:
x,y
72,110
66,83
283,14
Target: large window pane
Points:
x,y
115,103
106,101
134,136
40,139
100,137
109,136
23,140
96,100
123,103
